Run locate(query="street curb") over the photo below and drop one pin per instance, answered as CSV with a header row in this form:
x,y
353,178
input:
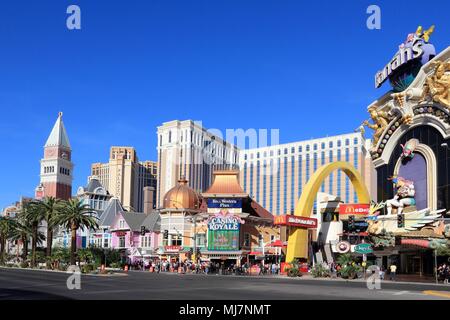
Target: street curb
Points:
x,y
65,272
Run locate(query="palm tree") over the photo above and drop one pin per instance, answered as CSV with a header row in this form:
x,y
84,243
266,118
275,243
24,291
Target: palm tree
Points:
x,y
73,215
33,214
49,207
6,226
23,231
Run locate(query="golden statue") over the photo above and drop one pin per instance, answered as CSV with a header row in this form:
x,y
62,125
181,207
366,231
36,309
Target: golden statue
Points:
x,y
426,34
437,86
380,122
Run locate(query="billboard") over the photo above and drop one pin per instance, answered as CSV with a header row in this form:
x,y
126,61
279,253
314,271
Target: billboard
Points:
x,y
223,231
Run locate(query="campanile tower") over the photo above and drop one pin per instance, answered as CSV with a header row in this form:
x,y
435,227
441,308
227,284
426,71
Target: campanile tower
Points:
x,y
56,166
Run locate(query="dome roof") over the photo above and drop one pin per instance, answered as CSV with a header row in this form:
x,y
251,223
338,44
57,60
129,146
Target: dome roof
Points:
x,y
181,197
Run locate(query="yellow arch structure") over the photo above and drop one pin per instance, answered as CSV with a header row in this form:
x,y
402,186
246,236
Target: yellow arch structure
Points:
x,y
298,237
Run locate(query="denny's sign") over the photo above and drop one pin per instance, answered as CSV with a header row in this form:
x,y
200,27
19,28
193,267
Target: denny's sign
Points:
x,y
295,221
354,209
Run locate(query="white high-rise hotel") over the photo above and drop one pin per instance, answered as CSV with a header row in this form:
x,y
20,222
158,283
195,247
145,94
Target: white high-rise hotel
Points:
x,y
274,175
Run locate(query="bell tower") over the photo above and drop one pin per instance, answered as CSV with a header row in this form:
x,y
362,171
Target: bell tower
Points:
x,y
56,166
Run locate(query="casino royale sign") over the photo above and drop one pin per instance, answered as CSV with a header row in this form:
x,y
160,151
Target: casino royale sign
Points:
x,y
224,222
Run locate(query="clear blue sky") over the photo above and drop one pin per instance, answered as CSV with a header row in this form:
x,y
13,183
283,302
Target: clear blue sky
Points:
x,y
305,67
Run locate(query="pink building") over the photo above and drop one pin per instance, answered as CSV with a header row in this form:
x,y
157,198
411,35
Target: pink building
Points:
x,y
127,235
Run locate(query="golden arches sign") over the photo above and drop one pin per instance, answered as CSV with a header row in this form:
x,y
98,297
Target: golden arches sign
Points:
x,y
298,237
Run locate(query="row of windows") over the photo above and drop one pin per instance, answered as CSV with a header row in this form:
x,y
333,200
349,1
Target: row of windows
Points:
x,y
62,170
267,190
300,149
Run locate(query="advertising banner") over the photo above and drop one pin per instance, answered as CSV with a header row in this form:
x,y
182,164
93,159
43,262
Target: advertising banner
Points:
x,y
223,231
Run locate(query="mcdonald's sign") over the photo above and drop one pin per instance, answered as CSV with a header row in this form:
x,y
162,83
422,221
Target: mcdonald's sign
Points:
x,y
295,221
354,209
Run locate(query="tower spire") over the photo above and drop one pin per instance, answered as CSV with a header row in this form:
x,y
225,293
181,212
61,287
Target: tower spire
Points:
x,y
58,137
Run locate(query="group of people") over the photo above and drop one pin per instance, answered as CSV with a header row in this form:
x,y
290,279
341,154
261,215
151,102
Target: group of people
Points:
x,y
444,272
205,267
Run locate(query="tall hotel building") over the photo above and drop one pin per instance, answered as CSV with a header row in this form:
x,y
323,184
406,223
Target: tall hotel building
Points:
x,y
275,175
125,177
186,149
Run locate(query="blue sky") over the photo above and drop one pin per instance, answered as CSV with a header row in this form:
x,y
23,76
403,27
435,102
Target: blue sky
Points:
x,y
304,67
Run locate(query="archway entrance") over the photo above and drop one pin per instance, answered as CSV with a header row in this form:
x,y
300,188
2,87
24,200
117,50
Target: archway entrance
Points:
x,y
298,237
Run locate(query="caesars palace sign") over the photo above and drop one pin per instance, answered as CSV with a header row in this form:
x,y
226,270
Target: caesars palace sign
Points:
x,y
403,56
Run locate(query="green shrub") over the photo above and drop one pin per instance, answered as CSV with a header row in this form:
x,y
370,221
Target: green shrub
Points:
x,y
319,271
24,264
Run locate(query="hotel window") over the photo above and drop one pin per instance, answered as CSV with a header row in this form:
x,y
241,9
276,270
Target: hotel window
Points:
x,y
121,224
258,180
292,184
339,143
355,141
176,240
330,156
285,185
347,142
247,240
265,154
292,150
105,242
264,182
122,242
330,144
307,167
278,187
285,151
347,155
279,152
201,240
355,157
245,157
315,161
145,241
315,147
271,187
257,155
170,136
307,148
300,165
251,180
165,239
300,149
323,145
245,177
260,241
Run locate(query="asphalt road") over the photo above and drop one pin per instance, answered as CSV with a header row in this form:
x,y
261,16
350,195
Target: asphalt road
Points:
x,y
37,285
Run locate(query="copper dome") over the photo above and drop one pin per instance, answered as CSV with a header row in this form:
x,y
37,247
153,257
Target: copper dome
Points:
x,y
181,197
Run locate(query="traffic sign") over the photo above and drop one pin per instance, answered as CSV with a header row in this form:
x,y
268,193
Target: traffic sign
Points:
x,y
363,248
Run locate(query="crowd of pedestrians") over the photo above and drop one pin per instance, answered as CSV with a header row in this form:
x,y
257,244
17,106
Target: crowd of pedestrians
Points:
x,y
205,267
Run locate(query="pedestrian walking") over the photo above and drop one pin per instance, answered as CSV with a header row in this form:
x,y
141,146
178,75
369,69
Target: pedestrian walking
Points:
x,y
393,272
